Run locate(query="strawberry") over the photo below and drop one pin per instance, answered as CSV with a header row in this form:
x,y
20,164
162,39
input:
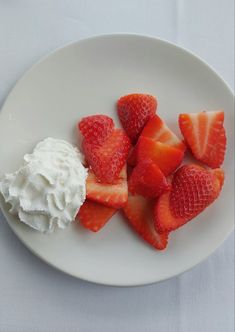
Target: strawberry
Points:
x,y
96,128
107,160
114,195
164,220
157,130
134,111
165,156
205,135
147,180
139,213
94,215
193,189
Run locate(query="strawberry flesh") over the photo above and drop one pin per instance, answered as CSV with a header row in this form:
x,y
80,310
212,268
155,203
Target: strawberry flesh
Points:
x,y
165,156
147,180
94,216
157,130
112,195
139,213
205,135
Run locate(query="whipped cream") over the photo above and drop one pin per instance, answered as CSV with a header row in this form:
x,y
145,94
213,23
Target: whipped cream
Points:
x,y
50,187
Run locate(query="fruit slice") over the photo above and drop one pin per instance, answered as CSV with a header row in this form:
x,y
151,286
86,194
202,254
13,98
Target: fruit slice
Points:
x,y
157,130
114,195
107,160
139,213
94,216
147,180
96,128
165,156
205,135
134,111
164,220
193,189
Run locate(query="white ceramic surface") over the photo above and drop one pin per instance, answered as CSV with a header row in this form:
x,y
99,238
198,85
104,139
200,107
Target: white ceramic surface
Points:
x,y
86,78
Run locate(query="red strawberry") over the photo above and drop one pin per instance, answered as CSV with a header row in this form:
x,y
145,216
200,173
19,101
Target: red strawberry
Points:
x,y
193,189
114,195
165,156
157,130
164,220
139,212
94,216
134,111
107,160
205,135
147,180
96,128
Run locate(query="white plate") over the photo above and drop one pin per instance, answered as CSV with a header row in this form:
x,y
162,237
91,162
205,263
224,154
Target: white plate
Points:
x,y
87,77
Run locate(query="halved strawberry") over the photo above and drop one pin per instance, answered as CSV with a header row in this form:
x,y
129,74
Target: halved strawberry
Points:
x,y
96,128
147,180
205,135
164,220
112,195
193,189
107,160
157,130
94,216
139,213
165,156
134,111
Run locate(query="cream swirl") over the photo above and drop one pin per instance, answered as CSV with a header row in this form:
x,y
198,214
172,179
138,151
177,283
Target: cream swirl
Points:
x,y
49,188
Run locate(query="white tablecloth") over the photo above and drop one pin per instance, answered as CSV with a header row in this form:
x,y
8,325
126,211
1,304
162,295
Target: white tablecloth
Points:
x,y
34,296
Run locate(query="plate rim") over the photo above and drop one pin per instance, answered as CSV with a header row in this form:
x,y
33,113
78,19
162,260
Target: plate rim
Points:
x,y
84,40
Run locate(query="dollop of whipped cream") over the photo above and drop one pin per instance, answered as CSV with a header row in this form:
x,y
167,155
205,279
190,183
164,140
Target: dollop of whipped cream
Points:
x,y
50,187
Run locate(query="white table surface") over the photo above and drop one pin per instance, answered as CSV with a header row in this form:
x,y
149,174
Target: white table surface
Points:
x,y
34,296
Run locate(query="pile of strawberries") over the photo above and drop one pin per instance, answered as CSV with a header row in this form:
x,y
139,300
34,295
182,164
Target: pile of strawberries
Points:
x,y
138,169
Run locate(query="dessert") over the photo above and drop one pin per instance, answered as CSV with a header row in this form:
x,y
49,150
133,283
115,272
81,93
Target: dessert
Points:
x,y
49,188
162,194
137,169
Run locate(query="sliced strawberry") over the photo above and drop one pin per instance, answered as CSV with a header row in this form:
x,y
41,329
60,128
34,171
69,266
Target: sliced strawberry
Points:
x,y
165,156
164,220
139,213
157,130
205,135
193,189
94,215
107,160
147,180
134,111
96,128
114,195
